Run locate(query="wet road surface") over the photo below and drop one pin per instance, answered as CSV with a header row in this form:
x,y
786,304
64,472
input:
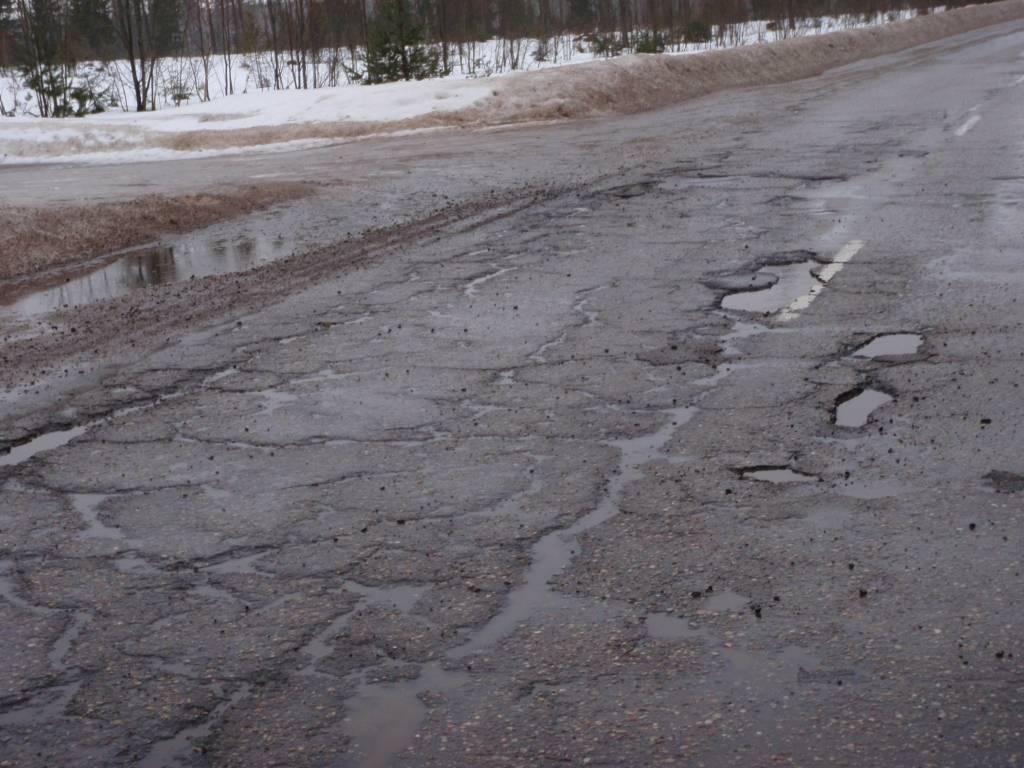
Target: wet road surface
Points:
x,y
559,474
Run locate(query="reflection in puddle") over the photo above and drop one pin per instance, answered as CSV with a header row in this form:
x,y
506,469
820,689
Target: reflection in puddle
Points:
x,y
891,345
854,408
795,280
130,270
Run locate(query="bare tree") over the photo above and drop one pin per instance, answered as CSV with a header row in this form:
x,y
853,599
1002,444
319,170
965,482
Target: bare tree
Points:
x,y
132,23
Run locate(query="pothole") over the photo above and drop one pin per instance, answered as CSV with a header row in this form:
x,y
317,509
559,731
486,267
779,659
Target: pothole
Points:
x,y
854,408
726,601
742,283
891,345
793,281
776,475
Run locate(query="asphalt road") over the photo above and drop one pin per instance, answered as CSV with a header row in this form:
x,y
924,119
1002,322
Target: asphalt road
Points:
x,y
501,483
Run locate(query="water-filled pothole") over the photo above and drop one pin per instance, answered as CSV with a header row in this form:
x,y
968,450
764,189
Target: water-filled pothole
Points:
x,y
742,283
794,281
891,345
126,271
47,441
726,600
854,408
776,475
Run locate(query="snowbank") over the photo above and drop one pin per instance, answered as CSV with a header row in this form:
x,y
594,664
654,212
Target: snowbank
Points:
x,y
245,120
270,119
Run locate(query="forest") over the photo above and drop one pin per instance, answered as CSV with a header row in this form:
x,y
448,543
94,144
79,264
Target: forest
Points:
x,y
76,57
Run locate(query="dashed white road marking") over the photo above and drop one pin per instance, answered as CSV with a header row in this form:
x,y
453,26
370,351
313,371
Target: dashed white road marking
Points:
x,y
826,274
1019,80
972,121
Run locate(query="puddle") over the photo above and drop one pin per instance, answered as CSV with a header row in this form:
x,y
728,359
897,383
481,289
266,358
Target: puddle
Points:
x,y
19,454
726,601
776,475
664,626
552,553
62,647
891,345
854,408
126,271
794,281
402,597
384,717
47,441
179,748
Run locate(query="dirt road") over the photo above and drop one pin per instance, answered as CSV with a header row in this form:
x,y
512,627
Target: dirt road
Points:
x,y
690,437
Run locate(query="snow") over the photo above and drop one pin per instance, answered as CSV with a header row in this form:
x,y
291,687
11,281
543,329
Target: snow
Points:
x,y
267,120
117,136
391,101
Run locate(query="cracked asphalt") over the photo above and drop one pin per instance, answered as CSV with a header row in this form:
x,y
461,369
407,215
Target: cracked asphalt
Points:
x,y
476,482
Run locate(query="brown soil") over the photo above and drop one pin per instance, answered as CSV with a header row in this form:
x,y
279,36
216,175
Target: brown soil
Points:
x,y
33,240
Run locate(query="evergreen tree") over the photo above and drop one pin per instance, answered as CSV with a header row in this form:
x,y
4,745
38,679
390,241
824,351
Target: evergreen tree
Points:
x,y
396,49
